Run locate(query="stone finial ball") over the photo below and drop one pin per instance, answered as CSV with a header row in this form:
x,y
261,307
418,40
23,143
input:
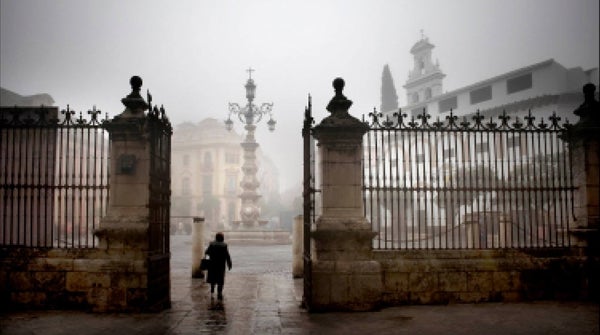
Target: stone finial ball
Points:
x,y
338,84
136,82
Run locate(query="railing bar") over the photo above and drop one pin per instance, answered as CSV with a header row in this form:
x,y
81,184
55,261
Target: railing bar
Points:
x,y
439,176
92,178
544,182
405,164
519,195
49,179
14,191
393,218
397,182
503,150
20,194
4,147
73,181
452,195
567,182
492,195
370,194
24,213
379,159
535,166
427,180
35,200
555,195
530,169
384,183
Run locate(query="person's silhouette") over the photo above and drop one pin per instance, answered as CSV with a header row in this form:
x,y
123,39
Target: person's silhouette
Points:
x,y
219,257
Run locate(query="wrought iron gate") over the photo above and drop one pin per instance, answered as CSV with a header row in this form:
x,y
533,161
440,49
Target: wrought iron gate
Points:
x,y
470,183
54,177
160,180
309,197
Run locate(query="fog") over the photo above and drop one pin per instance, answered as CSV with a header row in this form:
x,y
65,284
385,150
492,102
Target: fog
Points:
x,y
192,55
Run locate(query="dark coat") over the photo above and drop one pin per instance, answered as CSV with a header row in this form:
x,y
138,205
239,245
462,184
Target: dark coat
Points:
x,y
219,256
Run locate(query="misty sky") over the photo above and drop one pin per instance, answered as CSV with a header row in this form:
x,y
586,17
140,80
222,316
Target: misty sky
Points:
x,y
192,55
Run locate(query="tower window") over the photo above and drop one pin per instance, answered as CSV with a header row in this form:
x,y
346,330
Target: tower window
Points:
x,y
481,94
421,66
428,93
519,83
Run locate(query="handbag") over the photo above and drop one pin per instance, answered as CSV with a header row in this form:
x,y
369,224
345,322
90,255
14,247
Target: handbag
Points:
x,y
204,264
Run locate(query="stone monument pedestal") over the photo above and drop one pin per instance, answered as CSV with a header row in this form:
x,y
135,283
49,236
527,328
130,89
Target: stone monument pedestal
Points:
x,y
255,235
344,276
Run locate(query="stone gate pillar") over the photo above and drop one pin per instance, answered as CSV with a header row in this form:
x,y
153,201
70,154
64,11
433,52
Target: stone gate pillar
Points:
x,y
138,277
125,225
343,275
584,143
584,139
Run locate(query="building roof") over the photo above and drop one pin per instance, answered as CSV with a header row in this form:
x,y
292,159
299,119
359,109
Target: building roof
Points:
x,y
497,78
423,43
207,131
11,99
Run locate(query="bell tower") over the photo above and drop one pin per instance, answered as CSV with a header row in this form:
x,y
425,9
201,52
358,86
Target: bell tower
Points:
x,y
425,79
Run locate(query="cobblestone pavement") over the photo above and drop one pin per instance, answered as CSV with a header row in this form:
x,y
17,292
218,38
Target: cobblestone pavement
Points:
x,y
262,298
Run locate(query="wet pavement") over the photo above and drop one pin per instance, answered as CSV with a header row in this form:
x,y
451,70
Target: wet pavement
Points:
x,y
262,298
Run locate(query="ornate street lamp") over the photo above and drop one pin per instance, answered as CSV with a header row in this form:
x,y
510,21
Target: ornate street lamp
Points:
x,y
250,115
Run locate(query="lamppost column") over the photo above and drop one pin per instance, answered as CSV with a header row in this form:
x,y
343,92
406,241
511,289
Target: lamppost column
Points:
x,y
250,211
249,115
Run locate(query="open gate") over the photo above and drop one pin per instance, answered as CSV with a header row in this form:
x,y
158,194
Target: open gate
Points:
x,y
309,196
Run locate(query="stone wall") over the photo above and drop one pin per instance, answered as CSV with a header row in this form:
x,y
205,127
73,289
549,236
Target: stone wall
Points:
x,y
84,279
470,276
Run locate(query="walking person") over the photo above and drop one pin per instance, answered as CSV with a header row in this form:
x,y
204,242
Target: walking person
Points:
x,y
219,257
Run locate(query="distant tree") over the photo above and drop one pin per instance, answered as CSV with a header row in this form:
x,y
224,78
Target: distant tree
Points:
x,y
389,97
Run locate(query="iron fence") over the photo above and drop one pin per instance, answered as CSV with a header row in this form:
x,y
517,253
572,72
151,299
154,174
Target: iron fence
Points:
x,y
53,177
160,179
309,196
449,184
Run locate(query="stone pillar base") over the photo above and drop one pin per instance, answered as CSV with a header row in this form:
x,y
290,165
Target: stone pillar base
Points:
x,y
344,277
117,232
346,286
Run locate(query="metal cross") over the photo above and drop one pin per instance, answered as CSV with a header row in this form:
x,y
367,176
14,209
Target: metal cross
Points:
x,y
250,70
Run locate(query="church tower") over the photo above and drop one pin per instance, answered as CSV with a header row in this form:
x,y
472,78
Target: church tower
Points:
x,y
425,79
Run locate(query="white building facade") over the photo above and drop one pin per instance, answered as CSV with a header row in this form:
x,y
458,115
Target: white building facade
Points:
x,y
544,87
427,186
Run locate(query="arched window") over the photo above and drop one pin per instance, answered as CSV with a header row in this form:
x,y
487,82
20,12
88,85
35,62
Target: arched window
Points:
x,y
428,93
185,186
